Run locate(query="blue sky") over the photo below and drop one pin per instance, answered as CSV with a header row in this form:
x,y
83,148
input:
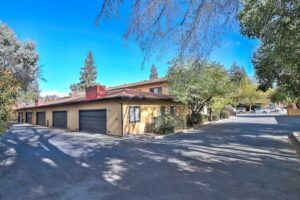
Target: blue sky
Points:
x,y
64,31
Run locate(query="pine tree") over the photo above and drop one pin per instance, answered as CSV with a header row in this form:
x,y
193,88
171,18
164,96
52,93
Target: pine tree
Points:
x,y
88,73
154,73
237,73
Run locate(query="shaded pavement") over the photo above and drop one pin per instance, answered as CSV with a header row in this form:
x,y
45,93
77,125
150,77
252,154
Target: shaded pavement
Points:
x,y
240,158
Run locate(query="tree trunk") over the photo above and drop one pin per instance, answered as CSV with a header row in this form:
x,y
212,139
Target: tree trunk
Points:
x,y
250,107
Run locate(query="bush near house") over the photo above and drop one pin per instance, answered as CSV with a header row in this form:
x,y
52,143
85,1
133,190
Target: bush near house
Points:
x,y
167,124
196,119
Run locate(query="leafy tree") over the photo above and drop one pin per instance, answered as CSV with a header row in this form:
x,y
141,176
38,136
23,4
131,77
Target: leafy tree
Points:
x,y
18,57
193,27
196,84
237,73
9,87
88,73
276,24
154,73
249,94
18,71
76,88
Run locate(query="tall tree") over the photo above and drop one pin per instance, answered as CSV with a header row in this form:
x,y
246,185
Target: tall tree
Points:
x,y
276,24
237,73
194,27
196,84
88,72
18,71
153,74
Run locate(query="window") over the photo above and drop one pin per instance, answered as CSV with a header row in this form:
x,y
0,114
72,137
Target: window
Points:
x,y
157,90
162,110
173,110
134,114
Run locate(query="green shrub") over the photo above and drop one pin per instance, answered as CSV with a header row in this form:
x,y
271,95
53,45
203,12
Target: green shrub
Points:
x,y
215,117
196,119
167,124
224,114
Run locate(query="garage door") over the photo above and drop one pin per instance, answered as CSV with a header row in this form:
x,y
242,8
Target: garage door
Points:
x,y
59,119
93,121
20,118
41,118
29,117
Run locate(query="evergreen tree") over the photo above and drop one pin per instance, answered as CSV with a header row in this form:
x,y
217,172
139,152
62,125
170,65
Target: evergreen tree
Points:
x,y
154,73
237,73
88,73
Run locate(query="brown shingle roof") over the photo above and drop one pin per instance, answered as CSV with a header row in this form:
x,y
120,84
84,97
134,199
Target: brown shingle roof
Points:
x,y
115,94
145,82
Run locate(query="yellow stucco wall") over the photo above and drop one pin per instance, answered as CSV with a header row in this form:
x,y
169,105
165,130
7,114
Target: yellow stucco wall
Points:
x,y
149,109
293,112
113,112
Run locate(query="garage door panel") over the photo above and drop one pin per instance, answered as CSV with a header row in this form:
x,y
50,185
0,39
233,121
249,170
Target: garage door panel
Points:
x,y
41,118
93,121
29,117
59,119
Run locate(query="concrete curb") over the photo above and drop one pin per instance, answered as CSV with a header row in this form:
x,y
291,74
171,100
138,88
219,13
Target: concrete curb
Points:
x,y
295,142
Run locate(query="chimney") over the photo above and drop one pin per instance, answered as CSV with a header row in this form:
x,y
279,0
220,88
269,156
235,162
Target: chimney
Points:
x,y
39,102
94,92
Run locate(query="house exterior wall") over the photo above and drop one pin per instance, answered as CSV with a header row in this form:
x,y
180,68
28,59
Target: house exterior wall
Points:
x,y
293,112
146,88
149,109
113,113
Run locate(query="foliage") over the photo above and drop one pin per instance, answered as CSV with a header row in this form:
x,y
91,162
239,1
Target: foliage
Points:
x,y
236,74
196,84
7,97
18,57
154,73
278,95
220,104
88,75
18,72
277,25
224,114
193,27
249,94
30,95
196,119
166,124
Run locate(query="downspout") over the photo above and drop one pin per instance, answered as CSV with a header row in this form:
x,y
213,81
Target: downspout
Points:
x,y
122,129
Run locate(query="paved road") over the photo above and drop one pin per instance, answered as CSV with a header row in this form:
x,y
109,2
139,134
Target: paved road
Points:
x,y
240,158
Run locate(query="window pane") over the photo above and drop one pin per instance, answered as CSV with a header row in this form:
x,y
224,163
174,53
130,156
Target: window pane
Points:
x,y
173,110
131,114
137,114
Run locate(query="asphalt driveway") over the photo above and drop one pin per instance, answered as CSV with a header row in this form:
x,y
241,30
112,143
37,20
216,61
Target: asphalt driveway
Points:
x,y
240,158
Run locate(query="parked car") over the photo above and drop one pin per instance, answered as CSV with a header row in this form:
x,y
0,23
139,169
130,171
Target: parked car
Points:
x,y
240,110
261,111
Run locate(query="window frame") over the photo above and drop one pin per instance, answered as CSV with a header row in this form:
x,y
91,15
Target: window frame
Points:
x,y
173,112
134,114
159,90
162,108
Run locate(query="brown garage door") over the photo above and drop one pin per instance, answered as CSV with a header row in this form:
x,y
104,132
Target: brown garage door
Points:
x,y
41,118
59,119
93,121
29,117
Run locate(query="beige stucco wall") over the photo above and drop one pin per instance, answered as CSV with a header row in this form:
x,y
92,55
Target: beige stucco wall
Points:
x,y
113,111
293,112
149,109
